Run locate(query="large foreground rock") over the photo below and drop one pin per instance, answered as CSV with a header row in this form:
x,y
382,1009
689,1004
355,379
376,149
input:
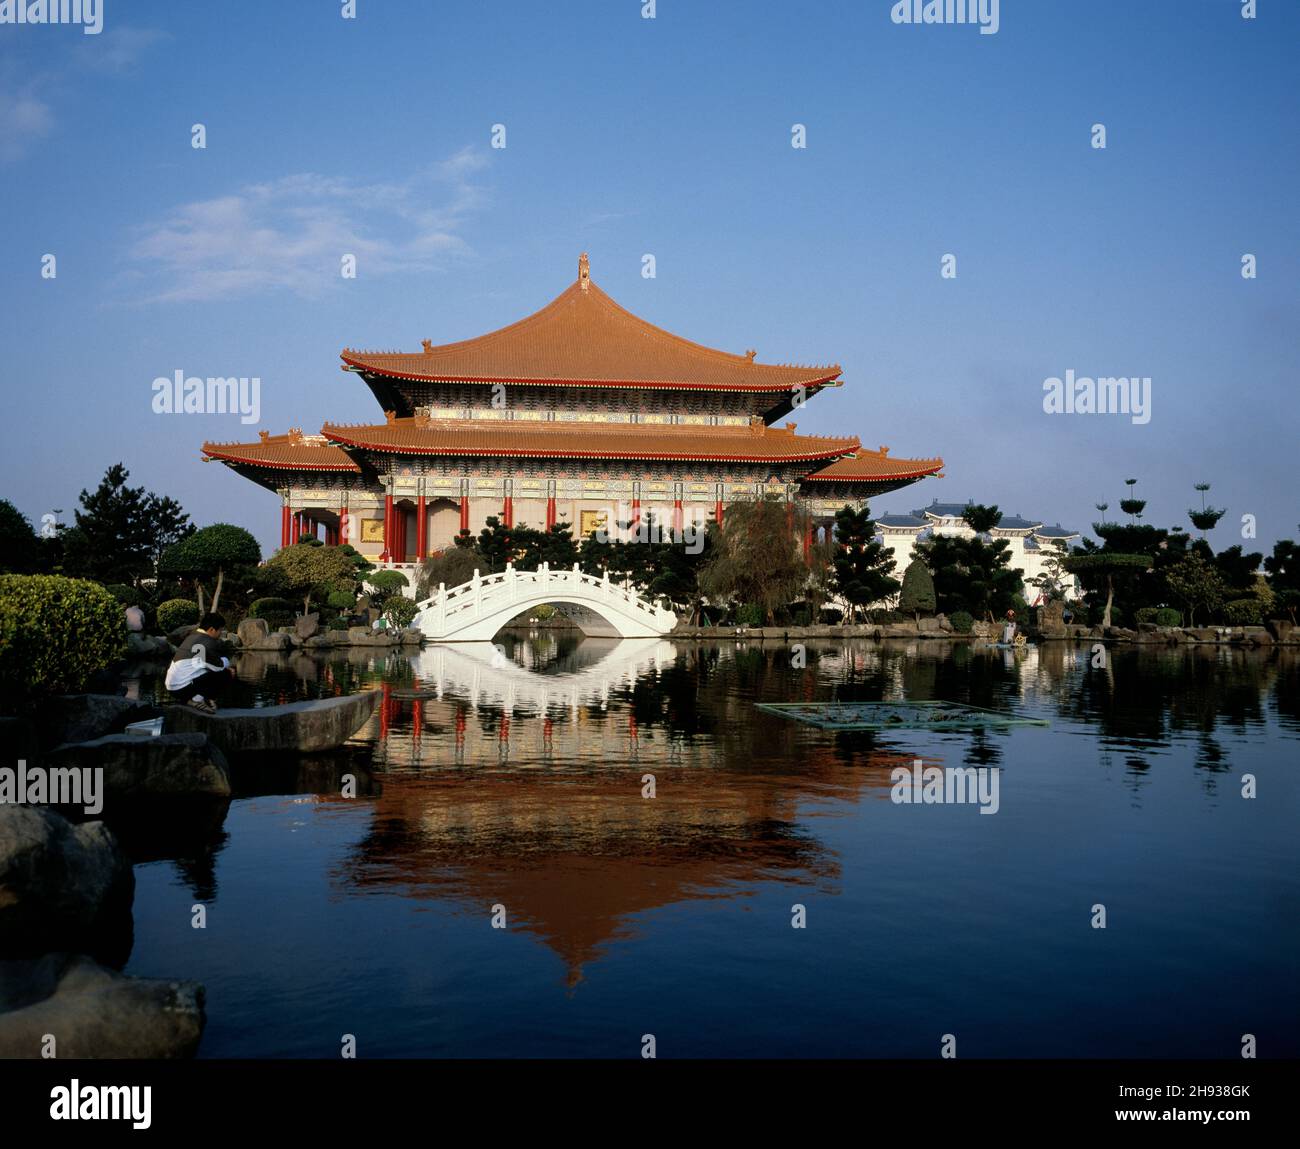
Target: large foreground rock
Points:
x,y
299,727
60,884
93,1012
78,717
183,765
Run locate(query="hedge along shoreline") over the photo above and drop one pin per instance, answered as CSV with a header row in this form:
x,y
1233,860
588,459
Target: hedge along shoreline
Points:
x,y
56,632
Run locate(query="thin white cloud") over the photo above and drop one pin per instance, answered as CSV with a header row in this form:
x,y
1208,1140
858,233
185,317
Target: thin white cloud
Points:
x,y
291,234
28,99
24,119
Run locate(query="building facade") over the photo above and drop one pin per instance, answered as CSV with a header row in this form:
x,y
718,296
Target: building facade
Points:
x,y
1030,544
581,413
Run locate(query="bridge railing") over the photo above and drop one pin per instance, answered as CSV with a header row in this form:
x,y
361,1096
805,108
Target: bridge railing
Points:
x,y
486,594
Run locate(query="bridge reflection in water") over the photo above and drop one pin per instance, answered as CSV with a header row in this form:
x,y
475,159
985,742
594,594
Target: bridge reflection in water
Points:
x,y
502,783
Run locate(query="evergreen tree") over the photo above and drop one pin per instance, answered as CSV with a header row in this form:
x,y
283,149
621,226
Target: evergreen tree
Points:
x,y
862,566
917,594
121,531
973,574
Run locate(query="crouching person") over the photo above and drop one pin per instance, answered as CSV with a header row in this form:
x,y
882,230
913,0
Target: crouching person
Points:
x,y
199,674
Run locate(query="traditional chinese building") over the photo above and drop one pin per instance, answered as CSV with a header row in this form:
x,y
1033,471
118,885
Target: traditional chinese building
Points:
x,y
579,413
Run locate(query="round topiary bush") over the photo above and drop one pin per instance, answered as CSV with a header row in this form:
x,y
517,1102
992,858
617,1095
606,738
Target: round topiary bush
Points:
x,y
1167,616
1243,612
277,612
177,612
400,610
749,614
961,621
337,624
55,632
126,595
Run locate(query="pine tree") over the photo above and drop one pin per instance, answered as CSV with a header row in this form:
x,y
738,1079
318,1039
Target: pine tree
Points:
x,y
862,566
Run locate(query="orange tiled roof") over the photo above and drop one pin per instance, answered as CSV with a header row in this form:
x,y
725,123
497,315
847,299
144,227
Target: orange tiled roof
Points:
x,y
753,443
289,452
583,338
875,466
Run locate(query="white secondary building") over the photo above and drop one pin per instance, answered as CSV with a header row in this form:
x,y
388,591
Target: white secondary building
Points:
x,y
1030,542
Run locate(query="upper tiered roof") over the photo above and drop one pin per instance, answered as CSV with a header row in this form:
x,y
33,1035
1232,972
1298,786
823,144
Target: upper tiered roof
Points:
x,y
755,443
582,338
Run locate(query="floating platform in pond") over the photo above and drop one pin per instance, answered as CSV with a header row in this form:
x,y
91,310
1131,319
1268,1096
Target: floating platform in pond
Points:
x,y
897,715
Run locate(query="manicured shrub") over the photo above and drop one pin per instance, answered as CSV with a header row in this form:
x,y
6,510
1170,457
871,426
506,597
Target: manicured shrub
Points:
x,y
56,632
749,614
1167,616
385,584
400,610
126,595
337,624
1243,612
961,621
277,612
340,600
177,612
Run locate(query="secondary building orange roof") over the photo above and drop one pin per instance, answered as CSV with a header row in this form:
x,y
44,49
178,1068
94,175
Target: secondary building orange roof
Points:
x,y
755,443
875,466
583,338
287,452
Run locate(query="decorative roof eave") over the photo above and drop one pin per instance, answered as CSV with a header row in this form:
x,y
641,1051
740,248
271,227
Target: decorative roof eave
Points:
x,y
221,452
921,468
828,378
544,453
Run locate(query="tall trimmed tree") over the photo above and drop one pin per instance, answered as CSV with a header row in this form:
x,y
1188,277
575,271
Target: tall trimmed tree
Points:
x,y
863,566
209,554
917,595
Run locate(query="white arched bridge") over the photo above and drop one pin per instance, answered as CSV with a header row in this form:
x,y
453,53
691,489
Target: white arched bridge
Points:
x,y
477,609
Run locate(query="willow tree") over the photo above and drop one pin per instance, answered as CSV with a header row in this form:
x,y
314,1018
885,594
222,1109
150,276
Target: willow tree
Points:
x,y
755,556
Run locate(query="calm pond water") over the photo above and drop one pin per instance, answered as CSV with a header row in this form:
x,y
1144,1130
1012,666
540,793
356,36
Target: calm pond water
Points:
x,y
516,781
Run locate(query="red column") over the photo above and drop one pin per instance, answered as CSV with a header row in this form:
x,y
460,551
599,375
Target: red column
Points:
x,y
550,513
464,512
297,526
717,512
508,512
677,517
421,530
343,525
399,536
636,513
286,517
388,528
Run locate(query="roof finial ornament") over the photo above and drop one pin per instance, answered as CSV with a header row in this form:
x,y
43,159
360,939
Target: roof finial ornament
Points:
x,y
750,354
584,271
427,345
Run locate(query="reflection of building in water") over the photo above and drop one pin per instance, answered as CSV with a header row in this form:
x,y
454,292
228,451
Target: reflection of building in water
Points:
x,y
507,786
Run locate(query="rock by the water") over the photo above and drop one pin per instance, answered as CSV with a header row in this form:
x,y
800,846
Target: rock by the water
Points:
x,y
252,631
169,765
60,884
78,717
298,727
365,636
93,1012
306,626
148,646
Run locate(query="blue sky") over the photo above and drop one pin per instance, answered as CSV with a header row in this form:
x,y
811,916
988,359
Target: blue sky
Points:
x,y
669,136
